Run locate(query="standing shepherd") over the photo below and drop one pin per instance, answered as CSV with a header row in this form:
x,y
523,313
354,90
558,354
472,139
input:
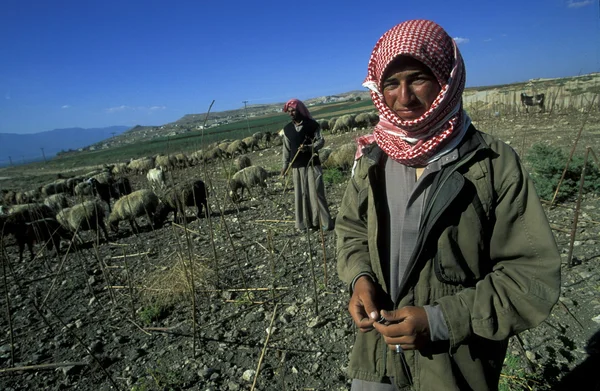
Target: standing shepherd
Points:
x,y
301,141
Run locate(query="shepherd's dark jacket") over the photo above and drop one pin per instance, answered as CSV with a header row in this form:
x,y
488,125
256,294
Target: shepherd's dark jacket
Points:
x,y
305,136
485,254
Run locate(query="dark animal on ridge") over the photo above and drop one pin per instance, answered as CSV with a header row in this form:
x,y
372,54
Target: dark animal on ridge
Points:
x,y
534,100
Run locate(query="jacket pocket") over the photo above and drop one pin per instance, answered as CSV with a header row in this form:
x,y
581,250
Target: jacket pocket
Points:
x,y
458,260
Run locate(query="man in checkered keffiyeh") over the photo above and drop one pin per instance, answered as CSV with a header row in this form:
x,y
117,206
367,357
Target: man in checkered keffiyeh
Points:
x,y
442,239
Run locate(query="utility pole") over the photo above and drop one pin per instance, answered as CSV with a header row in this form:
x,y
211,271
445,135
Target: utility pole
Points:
x,y
44,155
246,113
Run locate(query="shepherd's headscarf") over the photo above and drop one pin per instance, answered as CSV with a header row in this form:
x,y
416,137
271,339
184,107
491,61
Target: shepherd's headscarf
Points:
x,y
423,140
299,106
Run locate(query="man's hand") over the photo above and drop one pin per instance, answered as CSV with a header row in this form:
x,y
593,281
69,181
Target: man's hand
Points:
x,y
407,327
362,304
303,148
284,170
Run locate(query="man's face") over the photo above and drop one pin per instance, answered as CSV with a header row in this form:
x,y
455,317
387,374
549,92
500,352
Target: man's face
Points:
x,y
409,88
294,114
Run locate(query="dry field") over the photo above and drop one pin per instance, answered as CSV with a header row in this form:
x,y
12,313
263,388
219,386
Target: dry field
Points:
x,y
268,312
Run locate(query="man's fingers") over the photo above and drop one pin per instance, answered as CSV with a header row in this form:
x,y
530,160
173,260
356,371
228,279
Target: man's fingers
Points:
x,y
395,316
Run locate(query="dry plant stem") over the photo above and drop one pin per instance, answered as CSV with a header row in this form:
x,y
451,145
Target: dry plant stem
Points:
x,y
564,173
563,305
210,224
192,285
190,282
139,327
521,346
271,261
6,295
106,276
312,164
312,267
235,256
130,285
186,229
577,207
129,255
60,268
275,221
264,349
42,366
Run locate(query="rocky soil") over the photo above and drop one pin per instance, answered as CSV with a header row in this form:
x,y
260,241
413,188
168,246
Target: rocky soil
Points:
x,y
269,311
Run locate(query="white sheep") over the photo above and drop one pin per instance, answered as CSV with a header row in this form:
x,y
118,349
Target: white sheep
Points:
x,y
156,178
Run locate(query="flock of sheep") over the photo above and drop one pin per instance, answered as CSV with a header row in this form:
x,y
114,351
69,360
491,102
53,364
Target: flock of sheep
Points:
x,y
63,208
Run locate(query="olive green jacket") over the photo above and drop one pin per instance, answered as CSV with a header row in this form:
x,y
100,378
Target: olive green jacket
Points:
x,y
485,254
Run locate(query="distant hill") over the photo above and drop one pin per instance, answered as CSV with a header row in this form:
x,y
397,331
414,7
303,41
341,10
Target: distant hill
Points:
x,y
27,147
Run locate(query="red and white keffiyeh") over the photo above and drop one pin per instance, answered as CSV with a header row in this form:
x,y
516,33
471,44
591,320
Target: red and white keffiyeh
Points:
x,y
420,141
299,106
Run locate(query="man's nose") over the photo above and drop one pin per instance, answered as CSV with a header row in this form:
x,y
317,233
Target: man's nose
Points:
x,y
405,94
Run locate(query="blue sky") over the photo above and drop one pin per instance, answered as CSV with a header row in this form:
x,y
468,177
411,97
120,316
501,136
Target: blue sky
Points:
x,y
73,63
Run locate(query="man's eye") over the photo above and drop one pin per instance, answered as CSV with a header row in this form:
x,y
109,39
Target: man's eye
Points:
x,y
389,84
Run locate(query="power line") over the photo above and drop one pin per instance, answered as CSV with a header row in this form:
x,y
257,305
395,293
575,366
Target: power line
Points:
x,y
246,114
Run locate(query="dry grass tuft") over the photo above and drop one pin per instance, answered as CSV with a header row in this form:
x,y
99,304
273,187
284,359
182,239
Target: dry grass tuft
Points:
x,y
171,284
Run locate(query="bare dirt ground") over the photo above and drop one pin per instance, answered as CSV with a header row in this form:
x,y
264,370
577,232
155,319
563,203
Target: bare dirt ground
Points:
x,y
269,311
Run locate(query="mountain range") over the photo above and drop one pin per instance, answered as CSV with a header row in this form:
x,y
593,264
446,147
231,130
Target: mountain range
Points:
x,y
20,148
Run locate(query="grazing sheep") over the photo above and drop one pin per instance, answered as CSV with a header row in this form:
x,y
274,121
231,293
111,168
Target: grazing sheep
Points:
x,y
213,154
197,157
88,215
47,231
363,120
166,162
83,189
72,182
332,122
174,200
139,203
251,142
10,198
142,165
324,124
156,178
242,162
237,146
223,146
121,187
182,160
245,179
342,157
344,124
102,190
22,198
58,186
28,212
56,202
33,195
266,139
374,118
104,177
119,169
258,135
324,154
